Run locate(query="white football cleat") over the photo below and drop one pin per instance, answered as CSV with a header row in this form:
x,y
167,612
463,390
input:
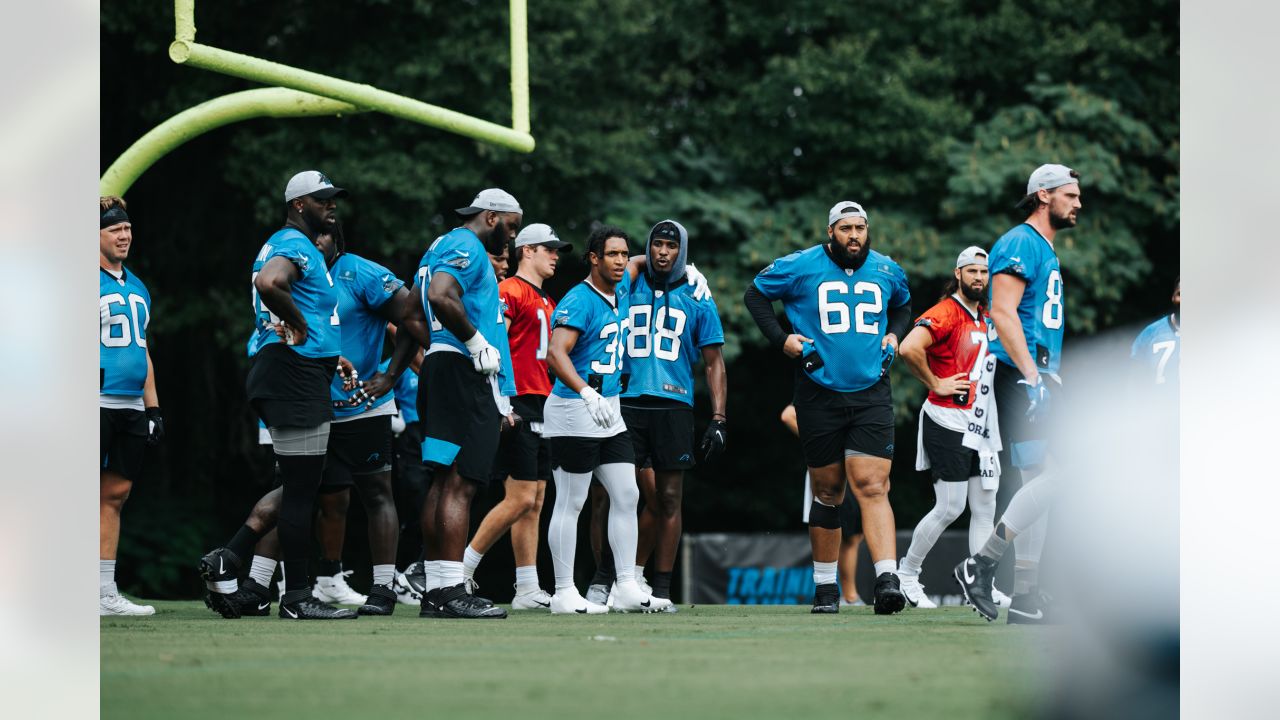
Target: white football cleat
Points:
x,y
1000,598
914,591
644,586
117,604
405,594
335,590
533,600
627,597
598,594
569,602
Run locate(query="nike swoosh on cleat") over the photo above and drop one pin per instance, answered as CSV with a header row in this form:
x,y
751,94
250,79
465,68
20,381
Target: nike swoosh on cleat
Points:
x,y
264,606
1039,614
967,577
291,613
220,568
543,604
644,604
581,611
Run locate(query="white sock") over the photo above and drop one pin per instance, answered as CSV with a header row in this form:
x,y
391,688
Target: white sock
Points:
x,y
432,570
639,572
619,479
982,514
949,498
262,569
107,576
886,566
384,574
824,573
562,532
470,561
450,572
526,578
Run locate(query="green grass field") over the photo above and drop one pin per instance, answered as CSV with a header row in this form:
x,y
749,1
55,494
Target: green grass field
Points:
x,y
704,662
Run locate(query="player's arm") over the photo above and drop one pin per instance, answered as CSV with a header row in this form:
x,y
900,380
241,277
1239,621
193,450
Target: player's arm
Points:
x,y
563,339
788,418
914,351
151,401
393,311
761,309
275,288
445,296
717,379
1006,292
899,324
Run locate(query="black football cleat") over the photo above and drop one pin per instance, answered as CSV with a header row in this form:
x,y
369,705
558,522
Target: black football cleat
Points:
x,y
1029,609
416,576
430,607
889,597
253,599
456,602
302,605
974,576
826,599
220,570
380,601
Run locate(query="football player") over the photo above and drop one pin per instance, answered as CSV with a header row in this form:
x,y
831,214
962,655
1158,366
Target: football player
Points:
x,y
1156,349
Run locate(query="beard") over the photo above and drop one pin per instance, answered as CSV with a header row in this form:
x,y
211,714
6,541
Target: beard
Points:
x,y
1061,222
973,295
496,238
851,261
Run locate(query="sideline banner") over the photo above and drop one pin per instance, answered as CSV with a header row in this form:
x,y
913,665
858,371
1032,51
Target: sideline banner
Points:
x,y
777,568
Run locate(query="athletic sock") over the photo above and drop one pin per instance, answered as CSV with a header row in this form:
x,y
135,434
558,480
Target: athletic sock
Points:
x,y
562,531
243,541
661,584
996,545
824,573
107,577
1025,576
527,578
328,568
384,574
451,572
470,561
295,575
300,476
431,568
639,572
619,480
886,566
262,570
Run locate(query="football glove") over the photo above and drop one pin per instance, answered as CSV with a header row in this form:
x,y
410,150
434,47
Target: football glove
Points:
x,y
701,290
484,357
714,440
155,426
598,408
887,354
1038,397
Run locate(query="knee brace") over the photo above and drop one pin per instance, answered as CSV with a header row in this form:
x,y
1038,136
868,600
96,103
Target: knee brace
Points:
x,y
824,516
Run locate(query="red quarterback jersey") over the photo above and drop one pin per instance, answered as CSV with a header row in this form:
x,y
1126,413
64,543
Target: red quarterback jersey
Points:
x,y
959,346
530,311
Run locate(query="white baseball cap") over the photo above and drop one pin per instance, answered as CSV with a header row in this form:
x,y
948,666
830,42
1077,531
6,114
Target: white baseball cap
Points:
x,y
540,234
1048,177
311,182
972,255
842,210
491,199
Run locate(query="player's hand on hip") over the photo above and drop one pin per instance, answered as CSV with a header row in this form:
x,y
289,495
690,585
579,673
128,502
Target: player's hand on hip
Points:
x,y
954,385
714,440
155,426
347,371
597,407
1038,398
290,334
484,357
701,290
889,339
377,385
888,351
794,346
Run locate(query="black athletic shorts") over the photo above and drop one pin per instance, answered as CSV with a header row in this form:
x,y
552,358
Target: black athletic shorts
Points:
x,y
661,431
410,472
356,448
122,443
834,424
585,454
1025,443
290,390
949,459
522,453
461,423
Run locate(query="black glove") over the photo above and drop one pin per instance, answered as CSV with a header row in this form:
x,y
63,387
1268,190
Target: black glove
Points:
x,y
714,440
155,426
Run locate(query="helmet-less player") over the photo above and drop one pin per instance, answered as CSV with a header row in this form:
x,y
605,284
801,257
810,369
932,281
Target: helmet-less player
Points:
x,y
128,405
585,427
1030,318
524,462
1157,348
848,305
947,351
294,349
669,330
459,319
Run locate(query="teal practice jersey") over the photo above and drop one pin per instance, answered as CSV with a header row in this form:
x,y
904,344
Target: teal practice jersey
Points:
x,y
665,336
1157,349
313,292
600,351
1025,253
124,311
363,286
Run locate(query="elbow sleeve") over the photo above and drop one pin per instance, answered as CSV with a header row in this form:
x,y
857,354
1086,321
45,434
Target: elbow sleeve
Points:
x,y
900,320
761,309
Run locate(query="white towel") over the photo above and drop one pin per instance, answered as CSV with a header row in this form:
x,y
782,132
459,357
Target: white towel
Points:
x,y
983,432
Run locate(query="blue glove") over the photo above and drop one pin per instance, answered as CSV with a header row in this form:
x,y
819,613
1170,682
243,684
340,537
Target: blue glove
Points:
x,y
887,354
1038,397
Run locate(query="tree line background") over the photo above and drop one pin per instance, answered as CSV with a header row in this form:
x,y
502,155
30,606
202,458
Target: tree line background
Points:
x,y
743,120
